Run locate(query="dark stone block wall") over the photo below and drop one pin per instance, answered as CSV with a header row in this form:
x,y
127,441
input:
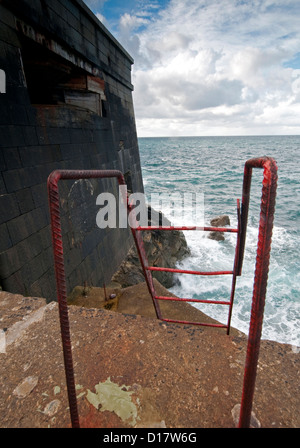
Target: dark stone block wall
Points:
x,y
67,105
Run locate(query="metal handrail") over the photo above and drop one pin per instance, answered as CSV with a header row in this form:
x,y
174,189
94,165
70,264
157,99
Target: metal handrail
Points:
x,y
149,280
269,186
260,278
57,242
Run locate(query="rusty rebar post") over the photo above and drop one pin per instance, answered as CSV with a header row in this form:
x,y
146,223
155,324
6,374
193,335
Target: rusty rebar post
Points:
x,y
261,273
54,205
62,293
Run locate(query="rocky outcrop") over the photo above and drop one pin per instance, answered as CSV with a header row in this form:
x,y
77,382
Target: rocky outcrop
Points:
x,y
163,249
219,221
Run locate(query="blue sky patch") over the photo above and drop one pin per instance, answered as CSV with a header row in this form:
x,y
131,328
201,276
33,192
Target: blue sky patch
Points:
x,y
294,62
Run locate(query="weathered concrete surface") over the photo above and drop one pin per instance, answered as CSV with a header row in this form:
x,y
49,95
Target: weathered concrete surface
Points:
x,y
152,374
136,300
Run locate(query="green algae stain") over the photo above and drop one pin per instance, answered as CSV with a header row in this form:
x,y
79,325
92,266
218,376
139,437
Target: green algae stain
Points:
x,y
114,398
56,390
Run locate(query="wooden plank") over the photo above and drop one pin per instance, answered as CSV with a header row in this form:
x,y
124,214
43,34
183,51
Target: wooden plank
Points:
x,y
79,82
97,85
86,100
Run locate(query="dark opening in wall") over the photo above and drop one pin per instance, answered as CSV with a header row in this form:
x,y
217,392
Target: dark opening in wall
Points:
x,y
52,80
128,180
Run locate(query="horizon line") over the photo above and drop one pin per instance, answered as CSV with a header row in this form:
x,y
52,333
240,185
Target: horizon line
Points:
x,y
237,135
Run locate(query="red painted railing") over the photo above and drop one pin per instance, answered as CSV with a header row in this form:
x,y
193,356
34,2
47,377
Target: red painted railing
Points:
x,y
57,243
151,288
261,271
260,279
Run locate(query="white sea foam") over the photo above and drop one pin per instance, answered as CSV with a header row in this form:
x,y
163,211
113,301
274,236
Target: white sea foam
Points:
x,y
281,318
281,322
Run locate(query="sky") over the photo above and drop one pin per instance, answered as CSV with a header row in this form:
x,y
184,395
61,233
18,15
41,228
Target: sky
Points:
x,y
210,67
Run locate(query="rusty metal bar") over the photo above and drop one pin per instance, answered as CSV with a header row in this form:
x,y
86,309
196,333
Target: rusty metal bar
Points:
x,y
53,196
137,235
269,186
147,269
62,293
260,280
184,271
204,229
235,266
180,299
194,323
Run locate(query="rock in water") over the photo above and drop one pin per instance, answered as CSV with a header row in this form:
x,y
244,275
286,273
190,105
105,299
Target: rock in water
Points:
x,y
217,236
219,221
163,249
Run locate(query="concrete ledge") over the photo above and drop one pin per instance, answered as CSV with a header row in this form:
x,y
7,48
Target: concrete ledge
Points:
x,y
167,375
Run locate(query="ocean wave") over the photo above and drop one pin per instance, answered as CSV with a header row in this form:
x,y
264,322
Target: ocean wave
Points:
x,y
280,317
215,165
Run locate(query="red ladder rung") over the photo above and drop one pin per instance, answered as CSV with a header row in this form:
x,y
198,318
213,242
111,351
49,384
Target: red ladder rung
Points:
x,y
204,229
183,271
178,299
194,323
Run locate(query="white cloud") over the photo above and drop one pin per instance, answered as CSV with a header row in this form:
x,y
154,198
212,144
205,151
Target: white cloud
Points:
x,y
102,19
210,67
95,3
214,67
129,23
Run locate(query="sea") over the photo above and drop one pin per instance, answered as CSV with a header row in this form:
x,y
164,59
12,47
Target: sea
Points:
x,y
211,169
